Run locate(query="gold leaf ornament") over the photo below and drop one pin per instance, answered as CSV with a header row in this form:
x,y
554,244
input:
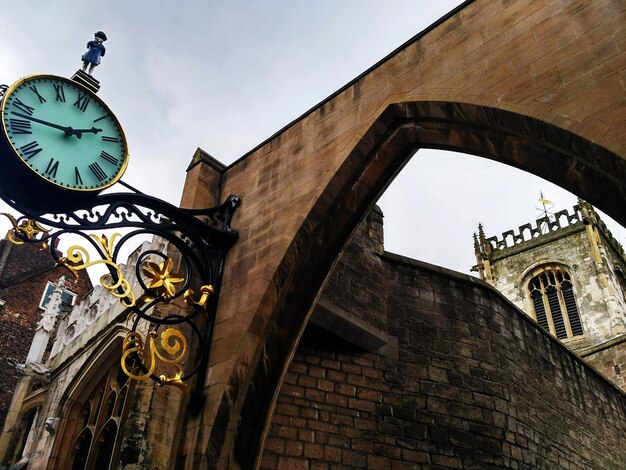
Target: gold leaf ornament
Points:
x,y
161,279
28,229
205,292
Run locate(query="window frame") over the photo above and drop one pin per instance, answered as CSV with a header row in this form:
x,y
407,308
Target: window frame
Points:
x,y
557,278
52,285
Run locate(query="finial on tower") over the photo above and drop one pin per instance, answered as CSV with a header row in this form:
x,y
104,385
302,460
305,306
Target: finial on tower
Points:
x,y
481,234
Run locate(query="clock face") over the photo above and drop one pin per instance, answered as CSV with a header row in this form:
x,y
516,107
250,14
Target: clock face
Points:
x,y
64,133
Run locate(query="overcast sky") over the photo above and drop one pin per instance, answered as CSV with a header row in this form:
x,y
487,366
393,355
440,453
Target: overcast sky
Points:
x,y
225,75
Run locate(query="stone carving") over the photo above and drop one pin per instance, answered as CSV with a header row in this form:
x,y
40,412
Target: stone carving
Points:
x,y
37,370
51,424
49,318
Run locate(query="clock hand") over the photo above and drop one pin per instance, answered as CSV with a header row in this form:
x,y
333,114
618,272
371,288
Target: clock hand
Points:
x,y
79,132
65,129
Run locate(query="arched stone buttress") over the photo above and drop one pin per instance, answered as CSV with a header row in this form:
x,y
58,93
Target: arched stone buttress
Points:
x,y
572,162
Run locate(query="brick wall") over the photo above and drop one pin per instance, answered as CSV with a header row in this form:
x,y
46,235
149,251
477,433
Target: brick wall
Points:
x,y
476,384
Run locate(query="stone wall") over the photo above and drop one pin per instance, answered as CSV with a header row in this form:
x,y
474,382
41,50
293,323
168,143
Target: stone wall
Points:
x,y
506,80
611,361
356,284
476,384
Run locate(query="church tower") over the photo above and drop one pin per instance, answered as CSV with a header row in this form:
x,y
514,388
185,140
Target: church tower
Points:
x,y
567,272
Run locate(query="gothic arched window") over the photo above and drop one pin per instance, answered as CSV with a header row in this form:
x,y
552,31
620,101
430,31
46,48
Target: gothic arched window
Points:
x,y
553,300
99,420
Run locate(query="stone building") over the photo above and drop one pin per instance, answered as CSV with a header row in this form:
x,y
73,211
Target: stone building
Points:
x,y
565,271
327,351
27,279
82,350
402,365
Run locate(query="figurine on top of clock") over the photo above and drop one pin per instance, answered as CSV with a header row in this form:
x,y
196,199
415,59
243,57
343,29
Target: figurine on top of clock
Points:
x,y
96,50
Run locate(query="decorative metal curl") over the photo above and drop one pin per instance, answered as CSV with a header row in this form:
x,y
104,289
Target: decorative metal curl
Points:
x,y
138,367
78,258
197,241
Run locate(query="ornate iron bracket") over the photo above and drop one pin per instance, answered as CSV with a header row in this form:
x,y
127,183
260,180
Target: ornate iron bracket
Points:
x,y
179,288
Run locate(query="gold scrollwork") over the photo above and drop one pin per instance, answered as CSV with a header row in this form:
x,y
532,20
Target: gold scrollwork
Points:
x,y
79,258
28,229
205,292
134,349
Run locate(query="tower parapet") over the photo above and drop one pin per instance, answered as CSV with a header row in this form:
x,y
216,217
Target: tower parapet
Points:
x,y
528,235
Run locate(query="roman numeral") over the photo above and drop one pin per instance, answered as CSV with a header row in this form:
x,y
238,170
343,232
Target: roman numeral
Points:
x,y
97,171
79,180
110,139
20,126
109,158
30,150
82,102
101,118
51,169
60,93
23,107
34,90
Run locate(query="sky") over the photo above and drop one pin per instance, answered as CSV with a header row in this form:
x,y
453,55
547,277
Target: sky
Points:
x,y
225,75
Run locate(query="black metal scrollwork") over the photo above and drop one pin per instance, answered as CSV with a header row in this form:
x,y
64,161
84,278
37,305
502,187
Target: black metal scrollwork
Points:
x,y
179,288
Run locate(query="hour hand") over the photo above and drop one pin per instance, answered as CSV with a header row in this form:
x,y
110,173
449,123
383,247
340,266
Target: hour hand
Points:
x,y
79,132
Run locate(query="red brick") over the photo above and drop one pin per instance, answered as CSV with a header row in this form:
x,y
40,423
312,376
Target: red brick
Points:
x,y
346,389
294,448
292,464
325,385
332,454
313,451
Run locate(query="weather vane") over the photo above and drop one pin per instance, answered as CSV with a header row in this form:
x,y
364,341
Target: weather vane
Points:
x,y
546,205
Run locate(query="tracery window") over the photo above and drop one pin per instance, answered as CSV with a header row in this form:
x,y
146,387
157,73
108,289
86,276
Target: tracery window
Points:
x,y
554,304
101,418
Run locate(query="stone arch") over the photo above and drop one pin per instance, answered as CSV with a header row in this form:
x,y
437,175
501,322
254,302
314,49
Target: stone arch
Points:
x,y
104,355
536,267
553,153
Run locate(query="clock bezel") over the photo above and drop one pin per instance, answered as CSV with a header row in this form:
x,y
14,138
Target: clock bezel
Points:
x,y
92,95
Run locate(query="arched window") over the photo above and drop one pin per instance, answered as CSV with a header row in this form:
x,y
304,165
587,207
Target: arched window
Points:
x,y
554,303
99,421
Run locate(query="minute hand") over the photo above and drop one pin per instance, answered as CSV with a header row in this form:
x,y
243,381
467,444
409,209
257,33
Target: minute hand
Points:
x,y
67,129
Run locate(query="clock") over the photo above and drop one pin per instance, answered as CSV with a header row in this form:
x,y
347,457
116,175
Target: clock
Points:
x,y
61,143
